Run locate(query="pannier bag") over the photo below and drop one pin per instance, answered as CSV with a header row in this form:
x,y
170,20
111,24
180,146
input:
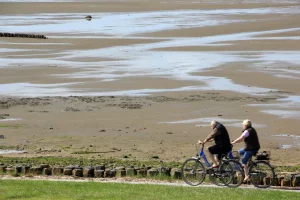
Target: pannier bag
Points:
x,y
263,155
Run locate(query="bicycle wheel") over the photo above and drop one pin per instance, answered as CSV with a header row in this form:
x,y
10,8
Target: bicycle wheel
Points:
x,y
222,176
237,173
193,172
261,174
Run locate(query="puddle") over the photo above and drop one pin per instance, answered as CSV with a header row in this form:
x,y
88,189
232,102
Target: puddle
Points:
x,y
3,151
11,119
288,141
285,146
284,114
287,136
206,122
285,108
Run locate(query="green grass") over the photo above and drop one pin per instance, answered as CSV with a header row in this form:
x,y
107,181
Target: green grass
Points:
x,y
54,161
8,147
10,125
33,190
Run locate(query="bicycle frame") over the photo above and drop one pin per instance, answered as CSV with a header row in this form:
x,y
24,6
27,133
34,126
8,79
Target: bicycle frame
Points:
x,y
203,156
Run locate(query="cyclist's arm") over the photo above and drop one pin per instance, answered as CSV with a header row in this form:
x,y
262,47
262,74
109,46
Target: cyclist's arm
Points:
x,y
241,138
212,135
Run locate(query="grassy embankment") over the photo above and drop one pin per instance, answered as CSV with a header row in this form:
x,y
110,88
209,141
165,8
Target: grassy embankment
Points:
x,y
20,189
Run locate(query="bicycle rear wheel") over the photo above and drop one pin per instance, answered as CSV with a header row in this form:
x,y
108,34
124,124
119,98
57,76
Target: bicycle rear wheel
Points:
x,y
222,176
193,172
261,174
237,173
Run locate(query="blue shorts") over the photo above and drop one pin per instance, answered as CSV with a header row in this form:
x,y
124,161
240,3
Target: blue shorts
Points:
x,y
246,155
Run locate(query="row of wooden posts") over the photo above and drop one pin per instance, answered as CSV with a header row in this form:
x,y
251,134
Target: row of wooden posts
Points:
x,y
23,35
100,171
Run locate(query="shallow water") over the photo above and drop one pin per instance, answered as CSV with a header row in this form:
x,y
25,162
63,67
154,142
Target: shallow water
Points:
x,y
142,59
206,122
10,119
4,151
287,141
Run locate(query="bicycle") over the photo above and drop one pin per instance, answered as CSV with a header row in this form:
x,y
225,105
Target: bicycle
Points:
x,y
261,172
194,172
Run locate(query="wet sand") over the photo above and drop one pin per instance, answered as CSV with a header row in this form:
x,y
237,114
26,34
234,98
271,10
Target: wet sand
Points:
x,y
149,83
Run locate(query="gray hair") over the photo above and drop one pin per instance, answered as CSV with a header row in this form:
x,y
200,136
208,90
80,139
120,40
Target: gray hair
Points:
x,y
214,122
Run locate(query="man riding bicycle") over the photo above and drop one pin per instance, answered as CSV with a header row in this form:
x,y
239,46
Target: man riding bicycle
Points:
x,y
222,142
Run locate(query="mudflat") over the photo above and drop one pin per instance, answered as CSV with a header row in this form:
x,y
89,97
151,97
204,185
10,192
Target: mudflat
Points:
x,y
143,79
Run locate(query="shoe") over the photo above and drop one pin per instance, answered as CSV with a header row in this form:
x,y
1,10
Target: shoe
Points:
x,y
213,167
245,181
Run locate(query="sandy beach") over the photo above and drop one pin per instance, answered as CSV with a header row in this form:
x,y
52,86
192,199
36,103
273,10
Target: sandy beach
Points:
x,y
143,79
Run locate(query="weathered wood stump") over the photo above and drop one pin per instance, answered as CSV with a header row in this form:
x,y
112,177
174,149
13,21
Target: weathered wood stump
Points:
x,y
57,171
175,173
99,173
77,172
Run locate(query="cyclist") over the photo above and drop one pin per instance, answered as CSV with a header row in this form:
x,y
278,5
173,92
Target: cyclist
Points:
x,y
252,145
222,142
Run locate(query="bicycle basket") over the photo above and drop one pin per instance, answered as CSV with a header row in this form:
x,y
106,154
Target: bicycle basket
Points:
x,y
265,155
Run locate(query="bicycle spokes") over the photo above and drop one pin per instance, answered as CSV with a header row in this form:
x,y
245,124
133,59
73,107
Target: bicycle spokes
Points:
x,y
193,172
261,174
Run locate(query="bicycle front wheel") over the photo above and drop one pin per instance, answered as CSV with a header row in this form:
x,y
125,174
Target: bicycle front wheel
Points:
x,y
237,173
193,172
261,174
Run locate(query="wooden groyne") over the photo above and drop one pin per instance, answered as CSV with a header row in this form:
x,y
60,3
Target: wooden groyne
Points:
x,y
23,35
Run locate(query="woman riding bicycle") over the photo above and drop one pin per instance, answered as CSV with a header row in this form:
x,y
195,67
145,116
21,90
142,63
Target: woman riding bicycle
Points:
x,y
252,145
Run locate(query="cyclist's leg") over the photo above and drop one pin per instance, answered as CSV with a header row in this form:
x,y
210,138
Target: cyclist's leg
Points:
x,y
241,151
219,152
247,155
212,150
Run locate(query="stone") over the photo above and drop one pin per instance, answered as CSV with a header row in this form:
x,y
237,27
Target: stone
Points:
x,y
11,171
36,170
152,172
99,173
107,173
275,181
47,171
285,183
67,172
296,181
279,179
267,180
57,171
120,173
3,168
88,172
175,173
26,169
164,171
77,172
44,166
18,169
130,172
141,172
100,167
